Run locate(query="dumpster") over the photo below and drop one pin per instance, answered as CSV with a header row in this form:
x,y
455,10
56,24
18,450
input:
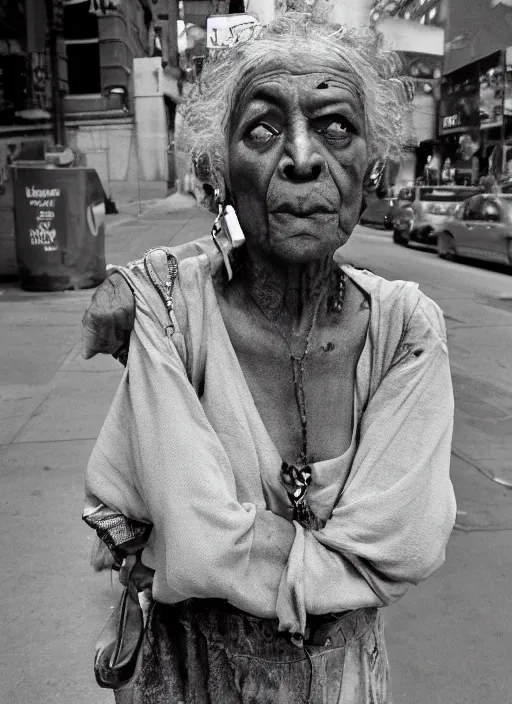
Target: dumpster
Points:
x,y
59,216
8,268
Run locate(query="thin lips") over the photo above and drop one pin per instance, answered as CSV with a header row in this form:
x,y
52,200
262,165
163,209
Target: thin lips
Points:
x,y
303,212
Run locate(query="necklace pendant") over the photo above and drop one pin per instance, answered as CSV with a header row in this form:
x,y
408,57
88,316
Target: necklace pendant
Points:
x,y
296,480
337,300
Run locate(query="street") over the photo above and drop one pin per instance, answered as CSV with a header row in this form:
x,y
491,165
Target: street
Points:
x,y
449,639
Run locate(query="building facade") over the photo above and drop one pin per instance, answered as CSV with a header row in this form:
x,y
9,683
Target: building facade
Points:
x,y
68,76
474,96
415,29
105,77
476,91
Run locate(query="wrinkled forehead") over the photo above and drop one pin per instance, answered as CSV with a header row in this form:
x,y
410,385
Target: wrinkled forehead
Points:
x,y
328,76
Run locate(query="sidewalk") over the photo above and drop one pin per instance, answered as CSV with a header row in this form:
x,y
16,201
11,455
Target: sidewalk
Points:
x,y
52,406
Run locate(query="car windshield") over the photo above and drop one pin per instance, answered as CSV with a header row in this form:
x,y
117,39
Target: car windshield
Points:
x,y
445,195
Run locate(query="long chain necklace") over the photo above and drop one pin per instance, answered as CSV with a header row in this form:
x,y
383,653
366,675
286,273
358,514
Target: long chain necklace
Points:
x,y
297,477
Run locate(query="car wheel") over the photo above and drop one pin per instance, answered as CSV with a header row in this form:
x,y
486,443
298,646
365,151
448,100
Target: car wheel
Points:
x,y
509,252
397,237
406,237
425,235
401,237
446,248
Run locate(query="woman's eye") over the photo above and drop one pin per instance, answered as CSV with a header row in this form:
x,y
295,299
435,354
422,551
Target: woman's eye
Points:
x,y
261,134
337,130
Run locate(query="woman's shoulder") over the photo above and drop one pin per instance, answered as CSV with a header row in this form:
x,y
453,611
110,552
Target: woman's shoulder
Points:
x,y
399,302
184,268
384,294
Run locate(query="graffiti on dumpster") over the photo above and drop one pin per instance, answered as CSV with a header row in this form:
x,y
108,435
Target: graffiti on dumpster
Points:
x,y
43,234
42,192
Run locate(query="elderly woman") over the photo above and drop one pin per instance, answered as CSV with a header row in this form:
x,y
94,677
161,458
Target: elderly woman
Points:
x,y
282,434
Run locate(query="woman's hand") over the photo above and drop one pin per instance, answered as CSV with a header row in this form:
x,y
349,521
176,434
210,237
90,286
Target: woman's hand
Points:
x,y
135,571
108,322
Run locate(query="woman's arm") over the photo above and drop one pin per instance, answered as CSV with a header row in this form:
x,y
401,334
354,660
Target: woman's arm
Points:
x,y
392,523
158,459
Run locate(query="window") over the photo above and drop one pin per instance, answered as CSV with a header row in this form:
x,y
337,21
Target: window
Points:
x,y
82,49
473,209
406,194
491,211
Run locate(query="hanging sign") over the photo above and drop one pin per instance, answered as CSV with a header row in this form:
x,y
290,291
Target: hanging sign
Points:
x,y
226,31
492,85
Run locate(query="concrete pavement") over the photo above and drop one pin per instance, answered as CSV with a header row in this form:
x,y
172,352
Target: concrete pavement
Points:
x,y
450,639
52,406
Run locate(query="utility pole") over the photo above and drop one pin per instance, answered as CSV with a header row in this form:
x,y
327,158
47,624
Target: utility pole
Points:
x,y
54,14
503,119
165,18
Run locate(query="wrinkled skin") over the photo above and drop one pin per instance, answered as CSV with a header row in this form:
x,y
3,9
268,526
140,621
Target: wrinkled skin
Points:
x,y
297,159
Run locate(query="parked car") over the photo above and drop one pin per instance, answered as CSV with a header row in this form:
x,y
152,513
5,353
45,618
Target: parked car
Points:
x,y
506,186
379,213
481,228
422,210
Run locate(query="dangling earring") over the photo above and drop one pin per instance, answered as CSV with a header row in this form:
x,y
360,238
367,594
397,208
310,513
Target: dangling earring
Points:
x,y
226,232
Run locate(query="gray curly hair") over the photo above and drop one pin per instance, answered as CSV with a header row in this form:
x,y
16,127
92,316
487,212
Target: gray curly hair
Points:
x,y
362,52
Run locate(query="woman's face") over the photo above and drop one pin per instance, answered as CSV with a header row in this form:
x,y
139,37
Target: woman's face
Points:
x,y
297,158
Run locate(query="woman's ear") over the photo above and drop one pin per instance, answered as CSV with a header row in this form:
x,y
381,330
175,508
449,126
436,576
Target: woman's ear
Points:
x,y
221,185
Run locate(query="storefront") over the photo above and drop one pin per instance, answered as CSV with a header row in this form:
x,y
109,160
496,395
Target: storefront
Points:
x,y
475,122
66,76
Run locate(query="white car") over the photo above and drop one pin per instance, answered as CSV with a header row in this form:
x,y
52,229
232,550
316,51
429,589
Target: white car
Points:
x,y
481,228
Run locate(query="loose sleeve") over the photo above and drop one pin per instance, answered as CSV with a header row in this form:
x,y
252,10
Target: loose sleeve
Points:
x,y
158,460
391,526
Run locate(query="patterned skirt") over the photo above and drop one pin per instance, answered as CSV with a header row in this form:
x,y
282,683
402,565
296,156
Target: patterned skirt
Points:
x,y
207,652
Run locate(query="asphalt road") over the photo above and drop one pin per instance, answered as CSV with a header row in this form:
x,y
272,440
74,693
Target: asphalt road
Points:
x,y
450,638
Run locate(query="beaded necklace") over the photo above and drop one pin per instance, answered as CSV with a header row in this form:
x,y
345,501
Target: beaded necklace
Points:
x,y
297,477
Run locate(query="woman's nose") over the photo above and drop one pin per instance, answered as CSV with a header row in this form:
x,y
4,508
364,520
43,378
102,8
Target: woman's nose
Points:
x,y
301,160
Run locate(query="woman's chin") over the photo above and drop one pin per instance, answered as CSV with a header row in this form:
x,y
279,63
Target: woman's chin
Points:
x,y
300,245
303,247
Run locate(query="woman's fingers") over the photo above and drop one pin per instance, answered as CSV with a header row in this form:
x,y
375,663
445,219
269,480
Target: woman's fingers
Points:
x,y
108,321
142,576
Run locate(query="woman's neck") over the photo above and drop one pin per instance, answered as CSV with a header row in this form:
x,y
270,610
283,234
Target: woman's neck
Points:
x,y
288,293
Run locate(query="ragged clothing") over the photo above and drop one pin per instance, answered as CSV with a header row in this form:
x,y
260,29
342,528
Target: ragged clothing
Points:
x,y
205,652
184,449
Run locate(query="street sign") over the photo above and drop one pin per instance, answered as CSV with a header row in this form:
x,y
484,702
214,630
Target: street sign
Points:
x,y
226,31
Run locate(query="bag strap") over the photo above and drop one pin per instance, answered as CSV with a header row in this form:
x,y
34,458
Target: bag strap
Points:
x,y
165,289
